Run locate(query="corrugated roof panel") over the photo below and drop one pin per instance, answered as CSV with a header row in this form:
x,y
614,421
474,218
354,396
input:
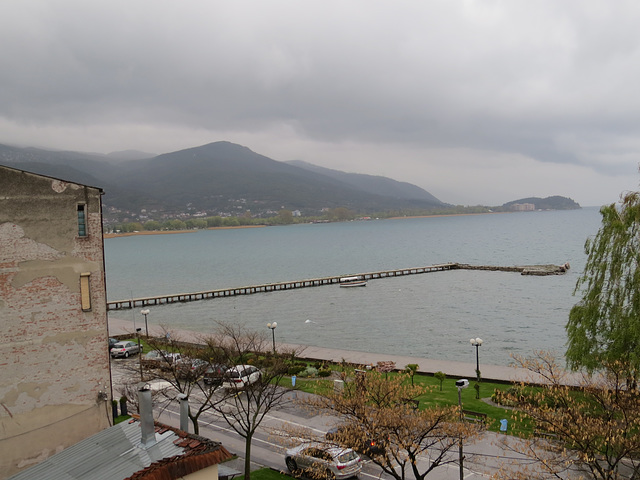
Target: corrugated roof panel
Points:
x,y
113,453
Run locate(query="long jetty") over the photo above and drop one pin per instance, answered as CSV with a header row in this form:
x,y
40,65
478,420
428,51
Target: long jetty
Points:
x,y
317,282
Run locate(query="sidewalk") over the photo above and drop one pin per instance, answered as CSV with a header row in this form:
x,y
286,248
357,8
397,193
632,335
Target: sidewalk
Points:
x,y
429,366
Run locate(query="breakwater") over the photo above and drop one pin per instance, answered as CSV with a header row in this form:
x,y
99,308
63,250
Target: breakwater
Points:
x,y
316,282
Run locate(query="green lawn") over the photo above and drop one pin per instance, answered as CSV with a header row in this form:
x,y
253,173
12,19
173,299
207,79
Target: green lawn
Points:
x,y
435,397
265,474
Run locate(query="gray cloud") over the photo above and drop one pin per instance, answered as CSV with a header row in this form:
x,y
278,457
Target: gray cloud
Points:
x,y
494,98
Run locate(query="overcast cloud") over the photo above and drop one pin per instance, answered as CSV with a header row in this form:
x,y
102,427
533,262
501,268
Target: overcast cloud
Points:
x,y
478,102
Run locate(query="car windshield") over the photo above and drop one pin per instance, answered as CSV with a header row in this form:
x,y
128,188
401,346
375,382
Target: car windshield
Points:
x,y
347,456
233,374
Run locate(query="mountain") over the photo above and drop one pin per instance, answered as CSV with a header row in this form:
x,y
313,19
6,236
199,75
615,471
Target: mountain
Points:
x,y
129,155
548,203
218,178
371,183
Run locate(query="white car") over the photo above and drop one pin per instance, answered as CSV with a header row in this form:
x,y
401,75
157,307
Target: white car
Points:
x,y
323,461
124,349
240,376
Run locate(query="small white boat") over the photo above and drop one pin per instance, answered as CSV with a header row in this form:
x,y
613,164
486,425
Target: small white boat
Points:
x,y
357,281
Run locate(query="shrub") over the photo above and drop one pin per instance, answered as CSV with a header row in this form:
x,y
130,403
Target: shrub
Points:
x,y
325,372
309,372
295,370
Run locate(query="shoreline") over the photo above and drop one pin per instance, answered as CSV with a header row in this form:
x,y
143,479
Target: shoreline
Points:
x,y
169,232
447,215
428,366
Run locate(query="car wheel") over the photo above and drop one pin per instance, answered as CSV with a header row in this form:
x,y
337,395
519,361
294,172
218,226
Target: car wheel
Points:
x,y
329,475
126,354
291,465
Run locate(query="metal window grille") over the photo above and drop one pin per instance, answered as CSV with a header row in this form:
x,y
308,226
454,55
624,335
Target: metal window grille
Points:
x,y
82,220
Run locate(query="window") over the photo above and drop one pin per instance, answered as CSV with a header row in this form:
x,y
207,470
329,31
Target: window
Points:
x,y
82,220
85,291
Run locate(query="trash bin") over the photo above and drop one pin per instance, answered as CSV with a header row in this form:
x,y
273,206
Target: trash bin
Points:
x,y
338,386
293,380
503,425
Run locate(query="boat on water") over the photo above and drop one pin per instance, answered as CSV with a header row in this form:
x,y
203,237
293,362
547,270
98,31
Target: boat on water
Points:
x,y
356,281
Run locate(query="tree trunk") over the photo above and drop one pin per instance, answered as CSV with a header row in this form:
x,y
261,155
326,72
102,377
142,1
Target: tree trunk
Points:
x,y
247,458
194,422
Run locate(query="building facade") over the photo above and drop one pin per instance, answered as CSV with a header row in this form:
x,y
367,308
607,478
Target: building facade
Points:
x,y
55,385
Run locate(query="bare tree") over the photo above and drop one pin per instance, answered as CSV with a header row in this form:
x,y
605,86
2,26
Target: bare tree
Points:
x,y
183,366
245,407
410,440
584,423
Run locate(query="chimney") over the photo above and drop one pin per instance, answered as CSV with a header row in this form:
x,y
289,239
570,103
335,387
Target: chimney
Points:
x,y
184,412
147,427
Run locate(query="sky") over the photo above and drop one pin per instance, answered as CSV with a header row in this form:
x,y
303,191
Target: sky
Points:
x,y
477,102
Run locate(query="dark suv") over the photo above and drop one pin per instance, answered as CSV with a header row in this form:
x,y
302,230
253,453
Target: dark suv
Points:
x,y
213,374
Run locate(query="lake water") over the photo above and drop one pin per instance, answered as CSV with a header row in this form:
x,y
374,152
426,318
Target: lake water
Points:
x,y
431,315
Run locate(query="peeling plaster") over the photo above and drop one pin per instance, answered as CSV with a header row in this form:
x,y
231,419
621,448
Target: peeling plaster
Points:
x,y
59,186
16,247
32,389
65,338
66,270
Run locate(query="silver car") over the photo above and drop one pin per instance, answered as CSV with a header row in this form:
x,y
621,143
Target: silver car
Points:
x,y
320,460
240,376
124,349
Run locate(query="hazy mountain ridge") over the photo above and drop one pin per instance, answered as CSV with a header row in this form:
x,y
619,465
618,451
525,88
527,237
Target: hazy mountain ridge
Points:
x,y
371,183
218,177
226,179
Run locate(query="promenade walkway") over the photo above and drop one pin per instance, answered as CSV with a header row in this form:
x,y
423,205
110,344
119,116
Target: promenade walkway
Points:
x,y
425,365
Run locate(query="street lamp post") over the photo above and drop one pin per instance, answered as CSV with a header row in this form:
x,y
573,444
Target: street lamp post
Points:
x,y
272,327
463,383
477,342
139,353
145,312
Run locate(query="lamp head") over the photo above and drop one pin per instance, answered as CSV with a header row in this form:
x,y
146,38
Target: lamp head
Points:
x,y
462,383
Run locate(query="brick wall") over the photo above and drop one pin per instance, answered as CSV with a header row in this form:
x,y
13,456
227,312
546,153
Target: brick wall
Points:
x,y
54,362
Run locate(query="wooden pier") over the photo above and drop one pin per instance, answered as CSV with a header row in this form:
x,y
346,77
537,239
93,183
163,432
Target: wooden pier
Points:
x,y
268,287
317,282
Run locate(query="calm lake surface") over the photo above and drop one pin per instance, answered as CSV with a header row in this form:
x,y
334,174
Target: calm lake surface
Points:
x,y
430,315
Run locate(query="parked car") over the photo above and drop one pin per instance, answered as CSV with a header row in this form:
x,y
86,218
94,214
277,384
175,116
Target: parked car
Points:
x,y
352,436
214,374
317,459
191,368
124,349
112,342
158,359
240,376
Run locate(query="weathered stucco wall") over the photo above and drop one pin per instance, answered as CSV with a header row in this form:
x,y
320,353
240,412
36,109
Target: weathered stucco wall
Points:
x,y
54,363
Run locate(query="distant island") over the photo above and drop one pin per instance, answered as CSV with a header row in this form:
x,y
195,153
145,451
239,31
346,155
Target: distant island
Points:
x,y
536,203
